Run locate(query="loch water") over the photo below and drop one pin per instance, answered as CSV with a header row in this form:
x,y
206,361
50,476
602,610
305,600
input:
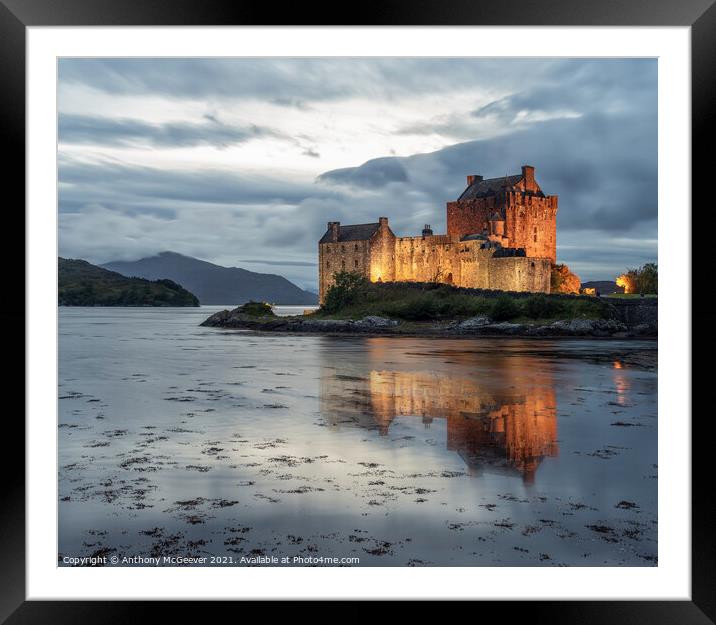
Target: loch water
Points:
x,y
183,441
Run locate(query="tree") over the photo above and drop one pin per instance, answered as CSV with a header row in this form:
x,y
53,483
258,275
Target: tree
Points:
x,y
348,288
644,280
562,280
647,279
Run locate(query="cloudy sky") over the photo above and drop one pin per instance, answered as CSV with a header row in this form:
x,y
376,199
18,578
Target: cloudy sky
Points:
x,y
242,162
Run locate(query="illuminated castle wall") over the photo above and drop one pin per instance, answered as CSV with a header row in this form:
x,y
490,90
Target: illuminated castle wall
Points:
x,y
501,235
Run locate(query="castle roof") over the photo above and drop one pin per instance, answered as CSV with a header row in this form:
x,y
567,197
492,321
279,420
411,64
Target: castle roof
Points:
x,y
356,232
489,186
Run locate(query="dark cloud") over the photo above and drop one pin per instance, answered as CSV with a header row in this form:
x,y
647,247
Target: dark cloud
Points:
x,y
587,86
564,88
92,130
603,168
373,174
281,263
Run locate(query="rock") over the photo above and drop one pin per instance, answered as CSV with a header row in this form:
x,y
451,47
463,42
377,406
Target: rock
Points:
x,y
644,329
505,327
322,325
588,327
374,321
472,322
217,319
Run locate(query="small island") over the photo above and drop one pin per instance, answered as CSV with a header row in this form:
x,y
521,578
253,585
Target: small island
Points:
x,y
355,305
83,284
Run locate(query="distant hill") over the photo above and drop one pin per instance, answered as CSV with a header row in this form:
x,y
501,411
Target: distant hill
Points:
x,y
605,287
83,284
214,284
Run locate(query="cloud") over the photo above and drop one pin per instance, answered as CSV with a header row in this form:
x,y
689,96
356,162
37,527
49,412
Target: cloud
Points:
x,y
112,182
589,126
296,82
93,130
373,174
280,263
603,168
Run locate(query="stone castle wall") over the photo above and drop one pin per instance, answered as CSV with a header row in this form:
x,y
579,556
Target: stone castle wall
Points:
x,y
386,258
382,254
334,257
530,221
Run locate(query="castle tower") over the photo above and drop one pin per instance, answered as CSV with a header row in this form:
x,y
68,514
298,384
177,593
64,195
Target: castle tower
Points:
x,y
530,216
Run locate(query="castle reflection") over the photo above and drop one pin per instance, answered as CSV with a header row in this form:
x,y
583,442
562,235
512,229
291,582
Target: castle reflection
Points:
x,y
500,409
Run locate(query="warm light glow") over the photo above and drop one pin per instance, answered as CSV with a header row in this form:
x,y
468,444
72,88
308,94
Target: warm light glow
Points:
x,y
627,282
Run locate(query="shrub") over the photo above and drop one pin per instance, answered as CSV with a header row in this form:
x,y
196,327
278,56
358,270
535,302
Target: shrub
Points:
x,y
348,288
647,279
562,280
541,307
644,280
257,309
504,308
421,308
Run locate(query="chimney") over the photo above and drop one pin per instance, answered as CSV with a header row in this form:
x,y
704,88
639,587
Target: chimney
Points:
x,y
334,228
528,174
473,178
383,221
427,230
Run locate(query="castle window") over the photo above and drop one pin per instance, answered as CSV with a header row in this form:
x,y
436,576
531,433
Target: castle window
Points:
x,y
343,248
356,263
328,265
356,247
343,264
535,234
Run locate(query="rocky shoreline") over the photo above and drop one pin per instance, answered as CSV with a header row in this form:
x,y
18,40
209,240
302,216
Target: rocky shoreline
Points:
x,y
475,326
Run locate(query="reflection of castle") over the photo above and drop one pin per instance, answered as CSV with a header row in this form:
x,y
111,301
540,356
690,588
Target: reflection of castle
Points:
x,y
494,423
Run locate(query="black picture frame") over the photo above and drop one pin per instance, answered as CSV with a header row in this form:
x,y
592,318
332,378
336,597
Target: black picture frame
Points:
x,y
700,15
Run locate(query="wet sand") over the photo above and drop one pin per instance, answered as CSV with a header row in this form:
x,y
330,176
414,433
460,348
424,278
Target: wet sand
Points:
x,y
182,441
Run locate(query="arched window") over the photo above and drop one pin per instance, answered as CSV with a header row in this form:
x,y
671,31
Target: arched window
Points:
x,y
356,263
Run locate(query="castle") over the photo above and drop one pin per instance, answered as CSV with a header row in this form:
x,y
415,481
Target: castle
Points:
x,y
501,235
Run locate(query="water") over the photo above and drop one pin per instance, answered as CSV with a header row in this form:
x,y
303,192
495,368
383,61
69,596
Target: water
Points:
x,y
182,441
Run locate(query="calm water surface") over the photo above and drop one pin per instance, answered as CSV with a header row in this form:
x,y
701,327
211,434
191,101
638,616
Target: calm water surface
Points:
x,y
178,440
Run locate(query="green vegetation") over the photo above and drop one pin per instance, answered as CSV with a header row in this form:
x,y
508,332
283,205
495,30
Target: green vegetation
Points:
x,y
354,297
631,295
349,289
256,309
641,281
646,279
83,284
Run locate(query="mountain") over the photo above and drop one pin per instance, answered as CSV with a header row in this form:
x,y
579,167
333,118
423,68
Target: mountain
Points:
x,y
214,284
605,287
83,284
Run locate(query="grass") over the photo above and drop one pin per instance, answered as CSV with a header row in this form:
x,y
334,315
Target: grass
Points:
x,y
630,295
445,303
256,309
